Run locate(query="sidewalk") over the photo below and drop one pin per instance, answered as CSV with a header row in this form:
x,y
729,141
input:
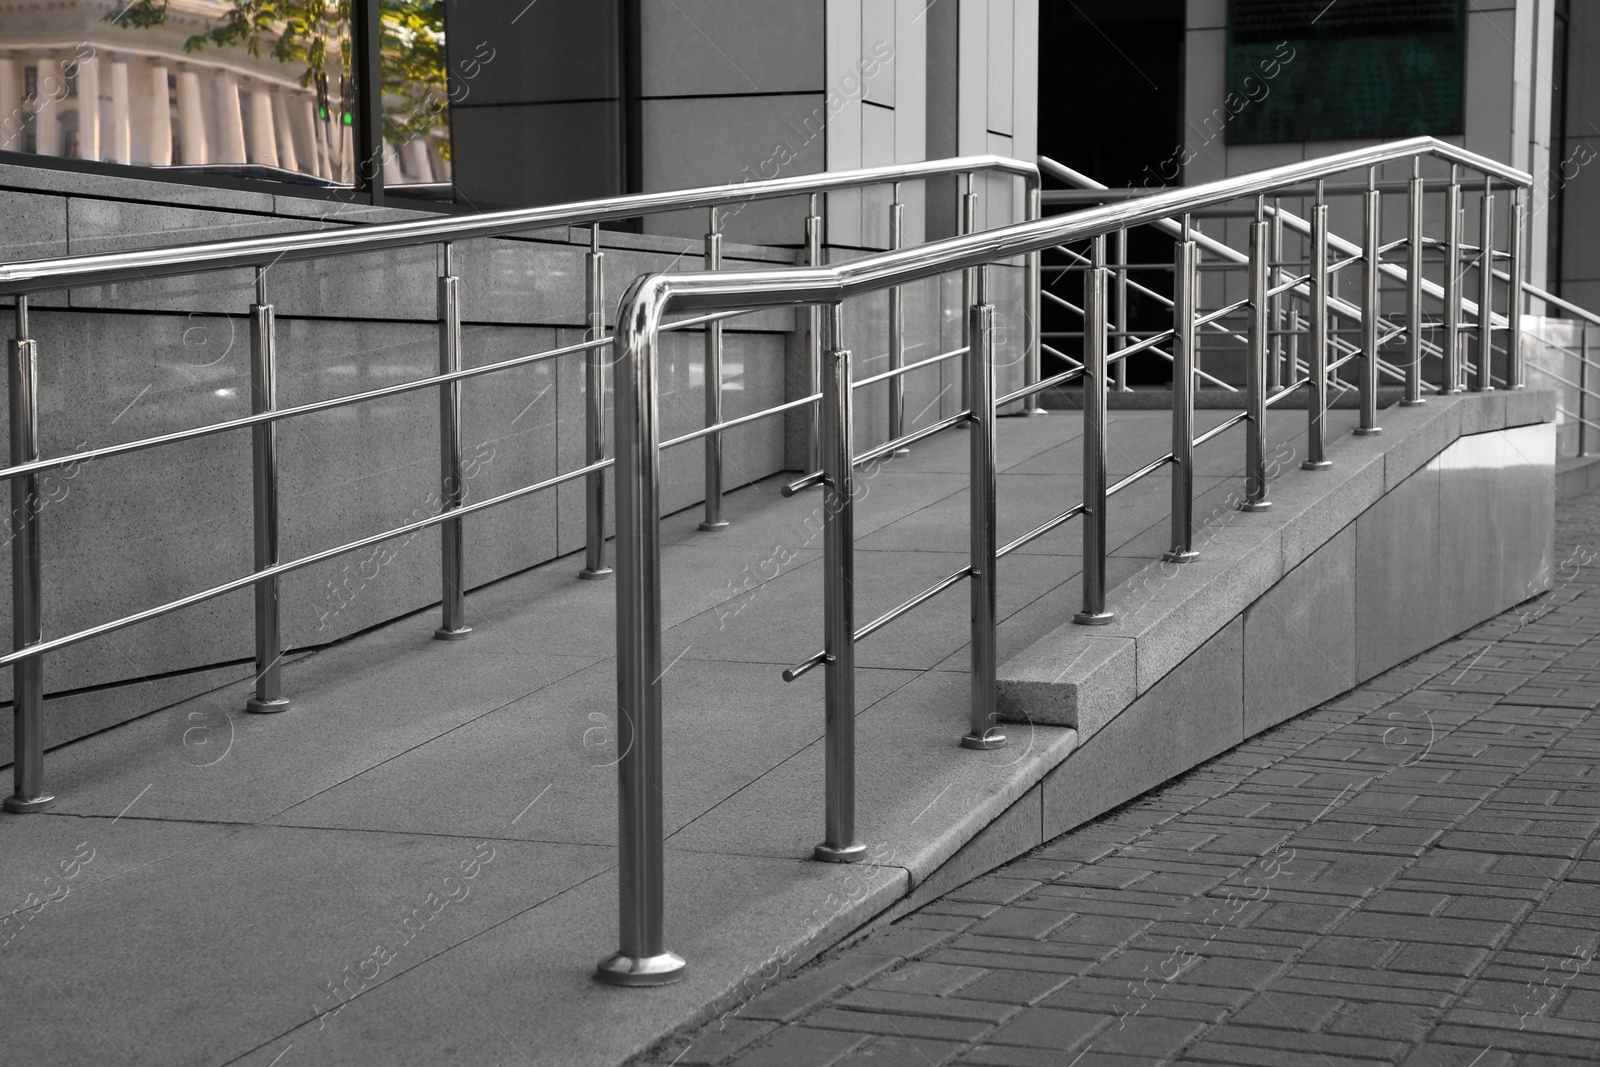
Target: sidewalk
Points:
x,y
1405,875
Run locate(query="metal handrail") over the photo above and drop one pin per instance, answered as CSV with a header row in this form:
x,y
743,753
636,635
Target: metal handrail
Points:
x,y
643,957
22,279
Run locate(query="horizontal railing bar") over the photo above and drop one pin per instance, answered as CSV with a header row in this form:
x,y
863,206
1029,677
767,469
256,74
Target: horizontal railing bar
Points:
x,y
67,640
1548,373
1221,313
1551,298
1060,354
1286,390
1292,283
1341,264
141,265
1575,418
1148,468
1392,245
1069,305
815,477
1038,387
1221,427
1342,360
701,320
816,659
896,372
280,414
1391,335
706,431
1038,531
1139,346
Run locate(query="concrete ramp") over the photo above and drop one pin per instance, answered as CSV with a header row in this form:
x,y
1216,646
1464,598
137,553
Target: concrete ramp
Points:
x,y
417,863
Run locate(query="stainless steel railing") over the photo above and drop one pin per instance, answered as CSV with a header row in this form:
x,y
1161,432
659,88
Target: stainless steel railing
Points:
x,y
1583,393
642,957
19,280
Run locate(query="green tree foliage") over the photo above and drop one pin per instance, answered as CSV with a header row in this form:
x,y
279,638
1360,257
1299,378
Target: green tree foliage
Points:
x,y
315,35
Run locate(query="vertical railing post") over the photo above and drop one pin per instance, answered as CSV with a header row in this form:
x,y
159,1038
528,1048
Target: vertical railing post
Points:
x,y
1255,450
1278,275
1317,343
27,675
713,507
1514,367
1119,372
264,455
642,958
1583,388
1414,248
1372,281
594,410
969,277
814,339
982,733
897,330
1094,611
1452,285
1034,301
838,599
1483,378
453,491
1183,334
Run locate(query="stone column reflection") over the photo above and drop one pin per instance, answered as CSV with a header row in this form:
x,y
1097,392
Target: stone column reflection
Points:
x,y
191,119
230,118
117,147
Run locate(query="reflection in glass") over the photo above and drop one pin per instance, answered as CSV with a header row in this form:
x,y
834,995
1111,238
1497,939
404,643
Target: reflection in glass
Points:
x,y
258,88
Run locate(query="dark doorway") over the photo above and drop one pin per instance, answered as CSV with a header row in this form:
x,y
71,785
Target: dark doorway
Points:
x,y
1111,107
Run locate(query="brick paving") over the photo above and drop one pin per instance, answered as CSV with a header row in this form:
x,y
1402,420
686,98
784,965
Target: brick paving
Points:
x,y
1409,874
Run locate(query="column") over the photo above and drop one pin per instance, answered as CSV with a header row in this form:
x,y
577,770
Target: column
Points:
x,y
391,165
263,136
89,108
288,158
230,119
191,119
52,89
10,106
157,124
306,111
421,165
117,147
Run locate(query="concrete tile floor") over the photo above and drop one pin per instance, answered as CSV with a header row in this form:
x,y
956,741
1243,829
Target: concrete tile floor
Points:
x,y
249,873
1409,874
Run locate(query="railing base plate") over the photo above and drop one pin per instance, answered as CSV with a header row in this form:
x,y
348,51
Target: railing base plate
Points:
x,y
1256,505
636,971
266,707
589,576
21,806
446,634
848,854
1412,403
1319,465
712,527
1094,618
1187,556
992,739
1367,431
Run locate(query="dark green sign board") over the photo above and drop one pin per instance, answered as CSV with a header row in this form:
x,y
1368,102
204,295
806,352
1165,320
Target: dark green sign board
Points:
x,y
1310,70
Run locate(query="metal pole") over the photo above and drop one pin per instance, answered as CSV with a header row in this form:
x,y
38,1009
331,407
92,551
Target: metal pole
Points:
x,y
1034,265
1279,275
897,330
1371,298
813,458
1514,367
1583,389
1452,286
264,454
452,552
982,732
1094,611
1183,336
27,676
594,412
713,519
1482,379
1255,462
838,600
1414,246
1119,373
642,958
969,277
1317,343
